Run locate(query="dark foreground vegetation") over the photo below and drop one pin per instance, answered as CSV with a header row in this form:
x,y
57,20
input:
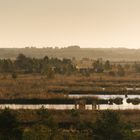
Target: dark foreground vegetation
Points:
x,y
45,124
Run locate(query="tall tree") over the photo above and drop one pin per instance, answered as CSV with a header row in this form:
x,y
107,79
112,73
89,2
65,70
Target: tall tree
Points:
x,y
9,126
110,127
107,65
98,66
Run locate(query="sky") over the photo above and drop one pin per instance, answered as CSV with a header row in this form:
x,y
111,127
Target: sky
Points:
x,y
87,23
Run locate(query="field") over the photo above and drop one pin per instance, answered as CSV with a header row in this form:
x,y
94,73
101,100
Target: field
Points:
x,y
30,86
66,124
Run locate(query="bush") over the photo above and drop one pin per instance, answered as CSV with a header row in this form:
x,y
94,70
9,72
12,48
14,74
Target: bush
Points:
x,y
9,126
74,113
134,101
14,75
110,127
120,71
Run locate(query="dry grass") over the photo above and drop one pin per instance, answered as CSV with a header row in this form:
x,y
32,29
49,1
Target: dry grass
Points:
x,y
38,86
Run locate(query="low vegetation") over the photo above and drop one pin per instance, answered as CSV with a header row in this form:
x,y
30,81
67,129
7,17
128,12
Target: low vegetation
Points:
x,y
49,125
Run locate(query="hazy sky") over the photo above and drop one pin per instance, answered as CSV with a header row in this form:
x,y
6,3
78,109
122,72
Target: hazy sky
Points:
x,y
88,23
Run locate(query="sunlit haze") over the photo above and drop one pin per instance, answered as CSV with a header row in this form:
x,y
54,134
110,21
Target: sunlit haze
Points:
x,y
87,23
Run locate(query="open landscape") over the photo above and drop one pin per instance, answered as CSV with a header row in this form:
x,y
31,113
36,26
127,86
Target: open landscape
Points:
x,y
69,70
36,92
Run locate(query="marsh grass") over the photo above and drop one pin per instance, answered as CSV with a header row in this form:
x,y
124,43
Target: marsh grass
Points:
x,y
37,86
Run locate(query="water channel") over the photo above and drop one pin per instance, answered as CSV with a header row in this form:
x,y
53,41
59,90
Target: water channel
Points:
x,y
123,106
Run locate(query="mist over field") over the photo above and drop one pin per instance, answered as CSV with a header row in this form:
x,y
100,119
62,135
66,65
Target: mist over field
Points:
x,y
112,54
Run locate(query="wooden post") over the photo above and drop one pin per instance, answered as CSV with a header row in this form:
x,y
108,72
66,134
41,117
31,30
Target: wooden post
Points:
x,y
98,107
76,105
82,105
94,107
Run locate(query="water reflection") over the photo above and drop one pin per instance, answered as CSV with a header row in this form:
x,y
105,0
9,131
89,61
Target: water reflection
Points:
x,y
48,106
103,96
123,106
113,106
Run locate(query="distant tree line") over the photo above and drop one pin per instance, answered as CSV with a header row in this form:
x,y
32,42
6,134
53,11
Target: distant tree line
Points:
x,y
44,65
51,66
100,66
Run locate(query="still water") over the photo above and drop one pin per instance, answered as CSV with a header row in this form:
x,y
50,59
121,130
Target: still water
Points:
x,y
123,106
103,96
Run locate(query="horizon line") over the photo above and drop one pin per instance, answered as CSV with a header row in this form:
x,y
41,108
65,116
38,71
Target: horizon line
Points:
x,y
57,47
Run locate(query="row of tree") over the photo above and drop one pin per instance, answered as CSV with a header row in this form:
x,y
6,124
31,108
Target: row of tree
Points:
x,y
100,66
33,65
49,66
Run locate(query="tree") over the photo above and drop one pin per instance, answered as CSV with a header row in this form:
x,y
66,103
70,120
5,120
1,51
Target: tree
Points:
x,y
98,66
9,126
24,63
21,61
110,127
7,65
14,75
107,65
137,67
120,71
50,74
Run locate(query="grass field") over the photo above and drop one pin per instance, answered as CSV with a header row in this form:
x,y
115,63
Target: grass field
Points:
x,y
29,86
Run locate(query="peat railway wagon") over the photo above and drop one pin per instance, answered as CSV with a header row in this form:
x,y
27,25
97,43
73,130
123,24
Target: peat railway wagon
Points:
x,y
81,105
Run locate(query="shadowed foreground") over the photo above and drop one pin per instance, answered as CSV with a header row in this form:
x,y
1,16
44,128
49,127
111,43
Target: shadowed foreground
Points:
x,y
72,125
